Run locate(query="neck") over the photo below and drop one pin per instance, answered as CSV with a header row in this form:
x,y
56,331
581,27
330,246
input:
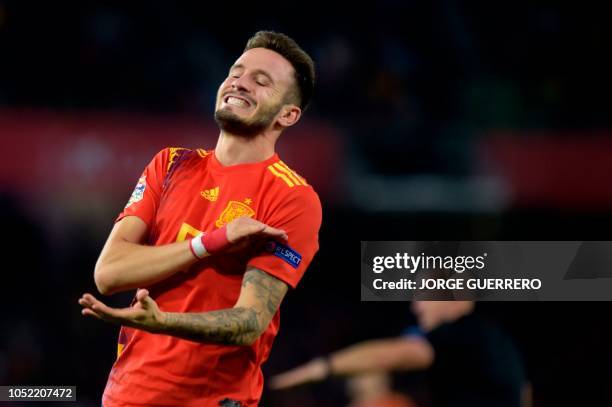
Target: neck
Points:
x,y
233,150
458,310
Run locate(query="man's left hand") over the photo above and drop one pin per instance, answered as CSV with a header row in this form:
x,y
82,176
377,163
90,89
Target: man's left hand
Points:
x,y
144,314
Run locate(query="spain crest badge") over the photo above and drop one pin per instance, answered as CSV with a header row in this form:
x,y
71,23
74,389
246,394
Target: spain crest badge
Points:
x,y
234,210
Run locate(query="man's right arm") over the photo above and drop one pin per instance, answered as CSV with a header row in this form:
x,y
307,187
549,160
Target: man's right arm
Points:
x,y
126,262
400,353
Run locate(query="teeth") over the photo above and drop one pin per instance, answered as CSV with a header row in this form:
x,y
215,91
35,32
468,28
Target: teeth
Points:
x,y
236,102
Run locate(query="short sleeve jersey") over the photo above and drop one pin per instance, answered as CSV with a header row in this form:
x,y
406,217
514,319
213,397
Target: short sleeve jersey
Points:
x,y
180,194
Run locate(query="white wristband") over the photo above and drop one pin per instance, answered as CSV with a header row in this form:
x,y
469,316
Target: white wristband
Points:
x,y
197,247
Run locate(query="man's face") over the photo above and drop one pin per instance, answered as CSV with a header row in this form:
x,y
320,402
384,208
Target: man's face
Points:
x,y
251,97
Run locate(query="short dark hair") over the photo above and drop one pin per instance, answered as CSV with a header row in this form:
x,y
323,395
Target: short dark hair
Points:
x,y
302,63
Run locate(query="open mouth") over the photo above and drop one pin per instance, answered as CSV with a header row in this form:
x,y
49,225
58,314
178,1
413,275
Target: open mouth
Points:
x,y
237,101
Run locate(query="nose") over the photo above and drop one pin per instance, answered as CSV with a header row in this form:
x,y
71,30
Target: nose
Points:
x,y
240,84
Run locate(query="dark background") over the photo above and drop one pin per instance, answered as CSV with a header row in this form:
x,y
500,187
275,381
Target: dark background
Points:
x,y
440,120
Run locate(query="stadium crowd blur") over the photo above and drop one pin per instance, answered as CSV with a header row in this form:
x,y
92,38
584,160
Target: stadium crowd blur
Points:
x,y
432,120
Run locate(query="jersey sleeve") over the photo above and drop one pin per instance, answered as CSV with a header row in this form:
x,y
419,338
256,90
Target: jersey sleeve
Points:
x,y
145,198
300,217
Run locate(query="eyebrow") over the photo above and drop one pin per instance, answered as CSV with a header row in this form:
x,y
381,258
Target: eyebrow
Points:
x,y
256,71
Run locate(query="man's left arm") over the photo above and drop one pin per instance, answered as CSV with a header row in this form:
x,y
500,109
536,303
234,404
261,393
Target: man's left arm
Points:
x,y
260,297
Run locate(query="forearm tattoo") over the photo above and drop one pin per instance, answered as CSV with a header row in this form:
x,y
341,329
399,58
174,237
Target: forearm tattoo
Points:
x,y
268,289
232,326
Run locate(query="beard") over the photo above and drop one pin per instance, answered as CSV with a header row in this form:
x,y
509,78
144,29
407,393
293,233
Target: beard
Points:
x,y
231,123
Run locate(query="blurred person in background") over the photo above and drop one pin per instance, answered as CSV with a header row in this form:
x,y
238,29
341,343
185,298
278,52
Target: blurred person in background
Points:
x,y
470,361
374,389
216,238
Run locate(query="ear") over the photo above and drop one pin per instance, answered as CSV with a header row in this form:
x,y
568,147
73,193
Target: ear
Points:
x,y
289,115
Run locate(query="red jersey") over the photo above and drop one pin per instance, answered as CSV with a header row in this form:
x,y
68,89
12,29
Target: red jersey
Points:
x,y
180,194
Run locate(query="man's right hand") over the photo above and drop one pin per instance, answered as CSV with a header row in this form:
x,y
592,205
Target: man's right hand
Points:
x,y
234,236
313,371
248,228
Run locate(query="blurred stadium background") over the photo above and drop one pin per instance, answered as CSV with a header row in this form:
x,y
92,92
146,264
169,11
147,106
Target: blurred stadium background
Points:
x,y
441,120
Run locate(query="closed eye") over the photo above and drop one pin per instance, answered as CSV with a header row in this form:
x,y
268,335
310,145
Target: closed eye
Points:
x,y
261,80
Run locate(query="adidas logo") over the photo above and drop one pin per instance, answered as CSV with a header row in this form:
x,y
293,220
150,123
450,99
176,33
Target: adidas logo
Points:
x,y
210,194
